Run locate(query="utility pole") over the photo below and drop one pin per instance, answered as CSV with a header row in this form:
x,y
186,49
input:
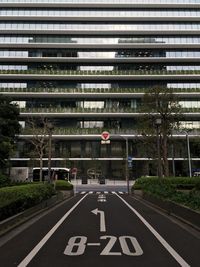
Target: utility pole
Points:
x,y
188,151
158,124
173,162
127,171
50,129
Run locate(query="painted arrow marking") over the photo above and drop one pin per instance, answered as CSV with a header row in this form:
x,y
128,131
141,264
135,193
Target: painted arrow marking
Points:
x,y
102,219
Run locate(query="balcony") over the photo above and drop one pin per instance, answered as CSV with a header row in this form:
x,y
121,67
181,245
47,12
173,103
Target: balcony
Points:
x,y
35,74
60,112
88,91
95,133
80,131
82,91
106,47
101,60
102,4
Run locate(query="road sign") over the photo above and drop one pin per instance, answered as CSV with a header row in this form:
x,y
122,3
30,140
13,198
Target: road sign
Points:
x,y
105,142
74,171
105,135
130,165
130,159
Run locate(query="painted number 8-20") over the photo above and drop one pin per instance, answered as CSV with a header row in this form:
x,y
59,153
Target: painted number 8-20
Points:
x,y
129,246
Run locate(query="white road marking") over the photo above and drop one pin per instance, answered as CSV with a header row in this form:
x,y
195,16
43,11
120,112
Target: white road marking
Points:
x,y
121,193
105,192
93,244
102,219
98,193
174,254
113,192
91,192
35,250
101,196
102,200
83,193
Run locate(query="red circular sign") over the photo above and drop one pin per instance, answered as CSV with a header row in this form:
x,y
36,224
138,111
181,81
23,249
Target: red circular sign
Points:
x,y
74,170
105,135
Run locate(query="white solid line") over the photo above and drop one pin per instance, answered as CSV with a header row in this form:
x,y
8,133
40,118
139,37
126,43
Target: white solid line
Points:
x,y
174,254
35,250
93,244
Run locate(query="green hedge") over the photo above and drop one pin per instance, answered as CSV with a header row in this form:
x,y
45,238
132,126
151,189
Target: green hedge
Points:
x,y
177,182
15,199
167,188
4,180
63,185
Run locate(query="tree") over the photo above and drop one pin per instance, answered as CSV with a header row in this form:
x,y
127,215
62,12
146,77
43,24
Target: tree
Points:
x,y
9,129
160,102
39,131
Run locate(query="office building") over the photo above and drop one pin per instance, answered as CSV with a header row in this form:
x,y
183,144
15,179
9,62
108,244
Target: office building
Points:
x,y
86,64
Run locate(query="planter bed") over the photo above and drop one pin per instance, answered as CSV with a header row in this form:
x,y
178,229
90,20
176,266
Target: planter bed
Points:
x,y
181,212
20,218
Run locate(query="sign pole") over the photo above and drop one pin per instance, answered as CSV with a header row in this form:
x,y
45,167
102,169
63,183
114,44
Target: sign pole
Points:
x,y
75,180
127,171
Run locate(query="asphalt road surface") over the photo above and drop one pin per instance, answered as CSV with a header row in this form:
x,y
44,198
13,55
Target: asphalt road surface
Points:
x,y
102,229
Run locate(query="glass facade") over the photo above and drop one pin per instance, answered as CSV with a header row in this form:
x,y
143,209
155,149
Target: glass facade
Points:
x,y
81,64
99,13
97,40
106,26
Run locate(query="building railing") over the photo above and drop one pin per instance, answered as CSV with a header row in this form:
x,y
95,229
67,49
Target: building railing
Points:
x,y
101,72
89,90
76,110
69,131
93,110
97,131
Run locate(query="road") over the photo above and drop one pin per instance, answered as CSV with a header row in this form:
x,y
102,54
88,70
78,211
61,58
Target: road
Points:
x,y
102,229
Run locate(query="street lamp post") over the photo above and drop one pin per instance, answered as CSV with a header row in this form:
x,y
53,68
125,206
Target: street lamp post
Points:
x,y
50,129
188,151
173,162
158,123
127,171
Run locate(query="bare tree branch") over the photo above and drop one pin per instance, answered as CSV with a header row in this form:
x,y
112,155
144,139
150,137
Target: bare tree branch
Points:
x,y
40,132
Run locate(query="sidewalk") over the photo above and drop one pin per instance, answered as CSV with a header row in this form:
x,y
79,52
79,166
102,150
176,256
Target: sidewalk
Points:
x,y
108,182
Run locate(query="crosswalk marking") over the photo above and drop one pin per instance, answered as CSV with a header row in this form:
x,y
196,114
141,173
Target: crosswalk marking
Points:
x,y
102,192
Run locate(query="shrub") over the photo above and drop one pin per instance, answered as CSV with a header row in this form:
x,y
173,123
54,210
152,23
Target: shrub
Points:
x,y
192,199
15,199
166,188
63,185
4,180
176,182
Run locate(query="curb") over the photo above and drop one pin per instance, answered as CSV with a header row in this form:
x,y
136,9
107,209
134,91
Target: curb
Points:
x,y
22,217
180,212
